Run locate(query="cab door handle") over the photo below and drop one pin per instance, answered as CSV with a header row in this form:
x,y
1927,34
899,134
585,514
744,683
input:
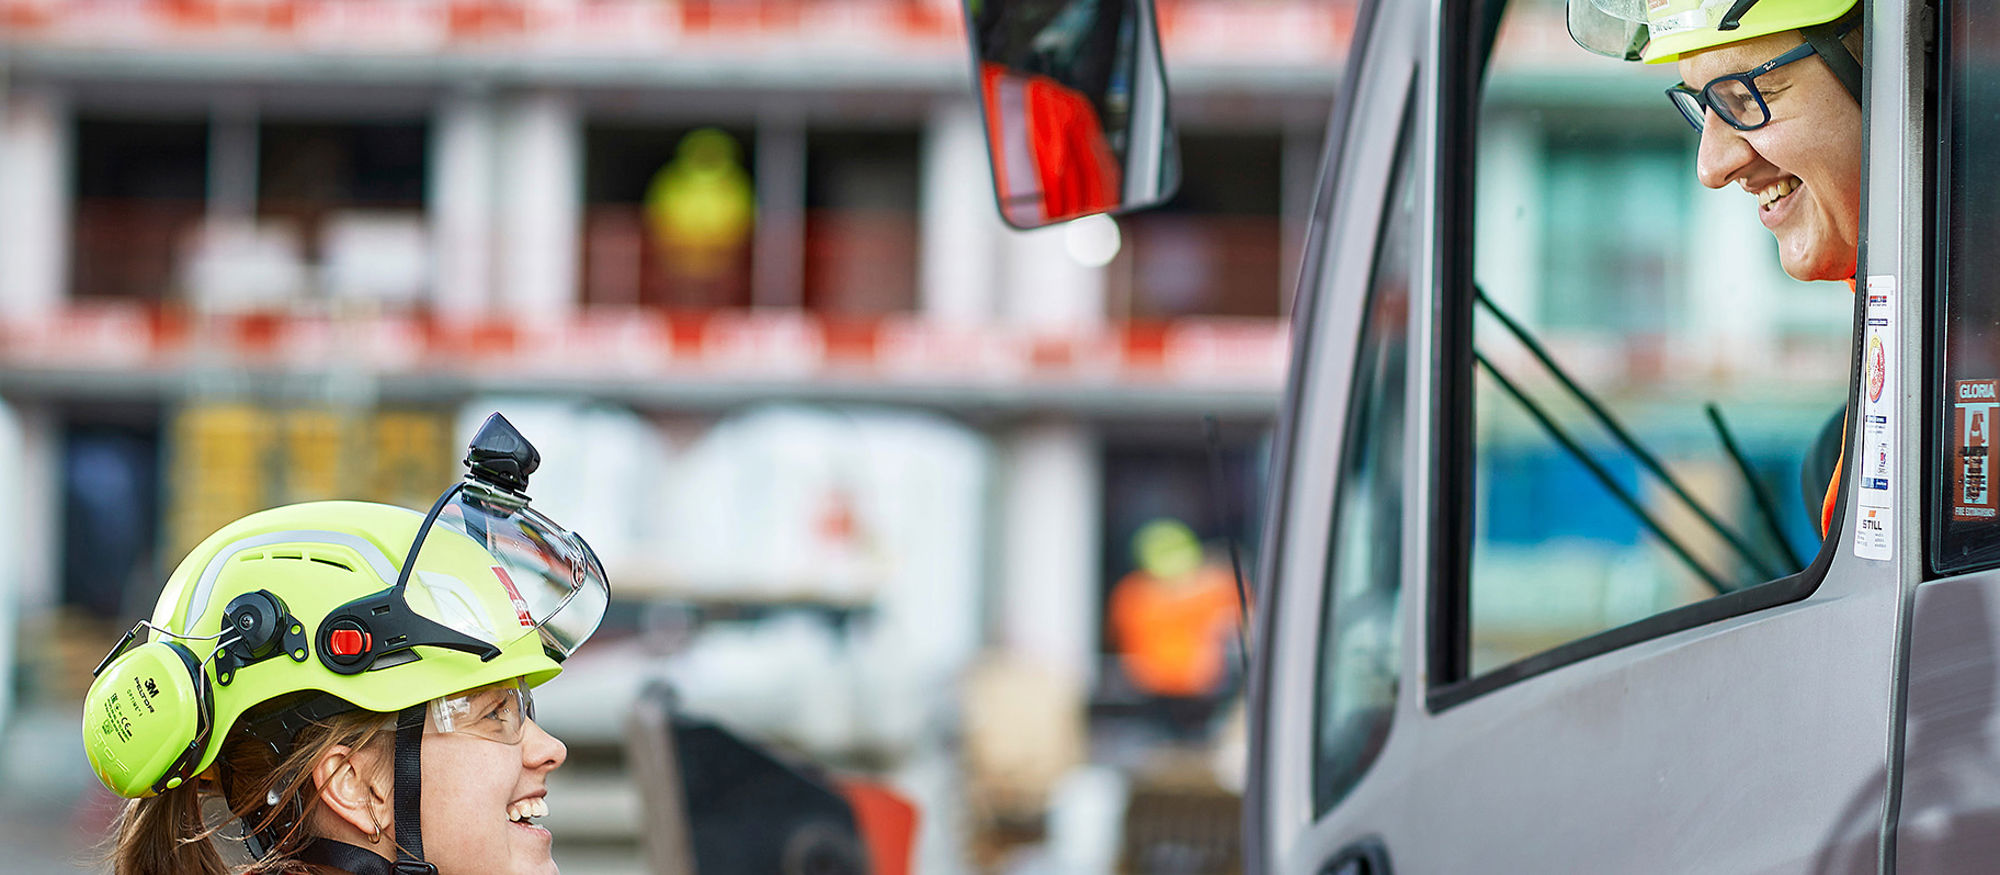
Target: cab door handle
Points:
x,y
1365,857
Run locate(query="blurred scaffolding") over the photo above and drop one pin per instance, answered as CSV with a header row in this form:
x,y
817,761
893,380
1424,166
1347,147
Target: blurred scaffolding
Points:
x,y
864,464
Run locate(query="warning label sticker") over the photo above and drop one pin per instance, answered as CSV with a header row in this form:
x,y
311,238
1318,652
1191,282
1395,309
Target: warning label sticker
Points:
x,y
1874,530
1972,496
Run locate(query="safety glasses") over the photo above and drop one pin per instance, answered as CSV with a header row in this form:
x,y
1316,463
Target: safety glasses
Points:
x,y
496,712
1734,97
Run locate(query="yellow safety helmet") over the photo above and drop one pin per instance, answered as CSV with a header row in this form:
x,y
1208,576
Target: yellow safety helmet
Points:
x,y
310,610
1660,31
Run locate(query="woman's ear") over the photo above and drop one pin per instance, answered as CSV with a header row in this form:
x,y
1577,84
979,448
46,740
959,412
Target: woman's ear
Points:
x,y
351,788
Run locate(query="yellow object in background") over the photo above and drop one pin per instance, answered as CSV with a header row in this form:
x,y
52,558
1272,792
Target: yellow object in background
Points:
x,y
217,469
701,205
409,452
232,459
310,469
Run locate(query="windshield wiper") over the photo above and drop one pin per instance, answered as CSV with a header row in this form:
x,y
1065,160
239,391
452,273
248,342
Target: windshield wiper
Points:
x,y
1767,508
1604,478
1624,438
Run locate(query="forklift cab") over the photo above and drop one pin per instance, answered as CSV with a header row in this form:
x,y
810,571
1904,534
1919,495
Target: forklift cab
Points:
x,y
1544,586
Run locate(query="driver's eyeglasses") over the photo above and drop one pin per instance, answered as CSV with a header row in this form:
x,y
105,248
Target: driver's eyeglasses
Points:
x,y
1734,97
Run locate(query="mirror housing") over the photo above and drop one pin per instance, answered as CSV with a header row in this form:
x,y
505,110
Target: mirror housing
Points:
x,y
1075,100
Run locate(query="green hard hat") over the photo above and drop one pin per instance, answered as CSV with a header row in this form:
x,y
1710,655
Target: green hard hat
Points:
x,y
151,705
1660,31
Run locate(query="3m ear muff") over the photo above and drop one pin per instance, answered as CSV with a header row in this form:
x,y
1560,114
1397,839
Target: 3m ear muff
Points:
x,y
147,717
150,711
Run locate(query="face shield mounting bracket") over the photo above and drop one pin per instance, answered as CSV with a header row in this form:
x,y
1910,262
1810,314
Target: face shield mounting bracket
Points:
x,y
358,633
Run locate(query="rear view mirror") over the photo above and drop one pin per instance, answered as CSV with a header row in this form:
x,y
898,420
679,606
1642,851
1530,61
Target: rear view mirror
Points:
x,y
1076,107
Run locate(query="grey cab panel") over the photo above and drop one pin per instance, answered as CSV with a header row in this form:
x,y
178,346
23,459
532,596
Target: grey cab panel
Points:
x,y
1950,813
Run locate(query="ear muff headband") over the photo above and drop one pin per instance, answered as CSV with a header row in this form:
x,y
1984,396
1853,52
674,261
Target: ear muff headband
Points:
x,y
183,767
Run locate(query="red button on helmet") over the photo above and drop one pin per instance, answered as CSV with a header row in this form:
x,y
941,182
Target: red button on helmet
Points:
x,y
349,642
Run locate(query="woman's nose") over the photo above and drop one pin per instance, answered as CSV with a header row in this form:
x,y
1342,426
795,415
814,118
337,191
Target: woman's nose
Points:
x,y
1723,152
539,749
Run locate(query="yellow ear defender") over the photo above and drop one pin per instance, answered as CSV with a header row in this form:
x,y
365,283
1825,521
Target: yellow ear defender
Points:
x,y
151,708
147,717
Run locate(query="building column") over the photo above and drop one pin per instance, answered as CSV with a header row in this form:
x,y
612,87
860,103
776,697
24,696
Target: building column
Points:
x,y
35,145
1046,287
1051,514
1735,285
232,159
539,196
460,201
778,271
960,225
1053,505
1511,163
14,516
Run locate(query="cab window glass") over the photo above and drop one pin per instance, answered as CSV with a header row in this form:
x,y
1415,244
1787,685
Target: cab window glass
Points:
x,y
1966,518
1361,627
1604,264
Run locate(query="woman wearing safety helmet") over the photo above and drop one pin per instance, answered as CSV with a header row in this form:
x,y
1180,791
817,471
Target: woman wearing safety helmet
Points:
x,y
341,674
1774,88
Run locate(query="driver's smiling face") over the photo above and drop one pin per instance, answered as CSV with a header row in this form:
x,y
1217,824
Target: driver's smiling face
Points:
x,y
1803,169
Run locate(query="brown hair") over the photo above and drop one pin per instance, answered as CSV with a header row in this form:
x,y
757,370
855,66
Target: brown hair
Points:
x,y
169,834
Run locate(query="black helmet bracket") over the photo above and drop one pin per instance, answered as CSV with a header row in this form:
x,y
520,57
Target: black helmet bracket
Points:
x,y
500,456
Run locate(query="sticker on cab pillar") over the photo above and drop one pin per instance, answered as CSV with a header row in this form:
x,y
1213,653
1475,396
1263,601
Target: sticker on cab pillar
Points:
x,y
1972,495
1874,517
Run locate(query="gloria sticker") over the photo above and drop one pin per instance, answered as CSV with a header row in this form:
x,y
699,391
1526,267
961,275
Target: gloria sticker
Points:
x,y
1972,496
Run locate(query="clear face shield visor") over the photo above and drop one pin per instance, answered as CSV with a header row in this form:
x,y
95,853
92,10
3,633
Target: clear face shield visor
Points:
x,y
484,572
540,579
1612,28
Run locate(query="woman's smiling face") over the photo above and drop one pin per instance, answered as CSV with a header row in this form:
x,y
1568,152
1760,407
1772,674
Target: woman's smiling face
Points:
x,y
1803,168
475,788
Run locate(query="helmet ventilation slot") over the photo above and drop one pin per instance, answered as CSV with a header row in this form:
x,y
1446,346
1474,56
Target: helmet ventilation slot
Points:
x,y
336,557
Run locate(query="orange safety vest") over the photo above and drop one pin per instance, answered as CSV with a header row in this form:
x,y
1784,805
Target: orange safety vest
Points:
x,y
1833,484
1172,637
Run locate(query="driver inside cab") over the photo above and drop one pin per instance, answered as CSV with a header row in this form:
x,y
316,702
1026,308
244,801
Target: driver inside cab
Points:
x,y
1774,89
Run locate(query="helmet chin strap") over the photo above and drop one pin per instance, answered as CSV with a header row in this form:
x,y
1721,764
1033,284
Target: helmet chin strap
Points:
x,y
352,859
409,803
1826,41
409,792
